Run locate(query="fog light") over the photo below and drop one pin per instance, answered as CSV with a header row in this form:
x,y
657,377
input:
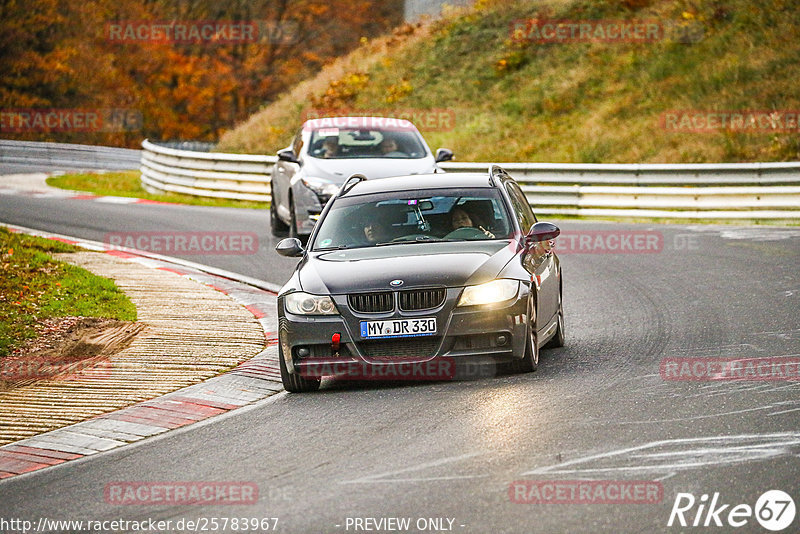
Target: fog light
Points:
x,y
303,352
502,339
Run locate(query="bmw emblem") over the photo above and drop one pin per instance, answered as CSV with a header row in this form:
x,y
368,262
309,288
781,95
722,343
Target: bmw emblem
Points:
x,y
396,283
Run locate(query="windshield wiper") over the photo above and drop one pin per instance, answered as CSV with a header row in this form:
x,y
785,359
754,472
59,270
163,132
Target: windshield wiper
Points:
x,y
417,239
337,247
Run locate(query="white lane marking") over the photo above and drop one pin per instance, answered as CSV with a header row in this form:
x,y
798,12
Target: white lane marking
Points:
x,y
759,234
665,477
656,456
420,467
423,479
718,350
784,411
754,234
694,417
116,200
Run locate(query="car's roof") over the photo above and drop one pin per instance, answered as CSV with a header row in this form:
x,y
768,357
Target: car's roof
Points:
x,y
421,181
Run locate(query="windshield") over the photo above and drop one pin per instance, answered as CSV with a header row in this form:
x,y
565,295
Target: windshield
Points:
x,y
350,143
409,217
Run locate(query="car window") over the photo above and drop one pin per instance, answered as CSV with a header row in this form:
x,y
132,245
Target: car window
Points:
x,y
350,143
522,210
416,216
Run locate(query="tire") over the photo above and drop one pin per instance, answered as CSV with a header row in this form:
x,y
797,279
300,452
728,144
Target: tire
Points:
x,y
294,383
276,225
558,338
293,224
530,361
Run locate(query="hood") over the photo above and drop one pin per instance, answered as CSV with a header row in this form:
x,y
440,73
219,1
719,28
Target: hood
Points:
x,y
338,170
417,265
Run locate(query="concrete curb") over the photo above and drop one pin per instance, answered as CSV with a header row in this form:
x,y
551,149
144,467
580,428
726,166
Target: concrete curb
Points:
x,y
250,382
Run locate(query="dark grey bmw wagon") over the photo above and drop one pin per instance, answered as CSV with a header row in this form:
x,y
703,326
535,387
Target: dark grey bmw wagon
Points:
x,y
402,273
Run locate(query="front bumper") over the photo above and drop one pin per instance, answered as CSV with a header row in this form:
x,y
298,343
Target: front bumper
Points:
x,y
492,332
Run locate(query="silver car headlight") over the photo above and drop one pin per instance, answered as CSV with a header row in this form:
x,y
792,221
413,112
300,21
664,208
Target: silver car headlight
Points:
x,y
489,293
320,186
301,303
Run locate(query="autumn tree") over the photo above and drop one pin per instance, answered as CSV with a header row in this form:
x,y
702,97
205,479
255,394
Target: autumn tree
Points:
x,y
59,54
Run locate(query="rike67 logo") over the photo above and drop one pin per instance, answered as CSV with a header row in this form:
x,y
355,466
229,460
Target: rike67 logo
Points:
x,y
774,510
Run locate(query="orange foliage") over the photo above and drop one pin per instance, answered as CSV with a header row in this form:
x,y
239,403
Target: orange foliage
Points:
x,y
59,54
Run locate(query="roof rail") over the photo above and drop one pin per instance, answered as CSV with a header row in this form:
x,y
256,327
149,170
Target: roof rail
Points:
x,y
351,182
494,172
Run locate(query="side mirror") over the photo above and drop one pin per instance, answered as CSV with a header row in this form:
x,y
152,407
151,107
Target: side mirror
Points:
x,y
542,231
290,247
444,154
288,155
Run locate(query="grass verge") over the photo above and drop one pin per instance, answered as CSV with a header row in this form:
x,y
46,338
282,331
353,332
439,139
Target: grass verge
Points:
x,y
35,287
128,184
516,99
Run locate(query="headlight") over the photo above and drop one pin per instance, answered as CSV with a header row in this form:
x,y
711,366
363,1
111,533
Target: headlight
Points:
x,y
323,188
488,293
305,304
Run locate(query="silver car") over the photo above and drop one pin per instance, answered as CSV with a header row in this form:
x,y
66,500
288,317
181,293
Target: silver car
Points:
x,y
326,151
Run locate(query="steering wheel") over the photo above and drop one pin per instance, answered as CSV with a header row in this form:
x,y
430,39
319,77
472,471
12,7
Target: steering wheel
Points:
x,y
411,237
467,232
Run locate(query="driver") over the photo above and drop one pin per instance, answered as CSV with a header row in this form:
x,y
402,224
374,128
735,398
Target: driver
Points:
x,y
459,218
330,147
374,231
390,148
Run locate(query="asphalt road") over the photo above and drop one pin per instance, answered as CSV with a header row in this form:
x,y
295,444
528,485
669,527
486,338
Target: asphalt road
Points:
x,y
445,454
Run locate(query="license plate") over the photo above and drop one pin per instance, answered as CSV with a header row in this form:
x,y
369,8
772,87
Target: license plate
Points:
x,y
399,328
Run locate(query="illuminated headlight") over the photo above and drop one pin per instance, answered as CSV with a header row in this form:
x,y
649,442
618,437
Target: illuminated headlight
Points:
x,y
489,293
323,188
301,303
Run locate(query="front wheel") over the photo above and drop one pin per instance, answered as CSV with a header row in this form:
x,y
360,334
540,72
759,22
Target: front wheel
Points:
x,y
277,226
293,382
293,224
558,338
530,361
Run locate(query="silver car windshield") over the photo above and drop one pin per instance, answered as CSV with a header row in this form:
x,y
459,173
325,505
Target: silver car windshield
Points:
x,y
441,215
352,143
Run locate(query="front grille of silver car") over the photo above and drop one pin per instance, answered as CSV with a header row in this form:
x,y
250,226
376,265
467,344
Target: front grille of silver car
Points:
x,y
376,302
422,299
407,347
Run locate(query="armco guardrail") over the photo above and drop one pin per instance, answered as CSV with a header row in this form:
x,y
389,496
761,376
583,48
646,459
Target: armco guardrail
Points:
x,y
745,191
32,154
208,174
